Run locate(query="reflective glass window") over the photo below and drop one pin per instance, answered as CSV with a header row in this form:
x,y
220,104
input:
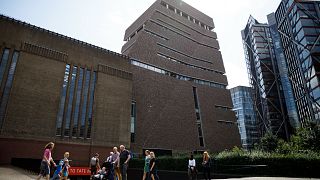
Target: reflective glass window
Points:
x,y
92,87
84,103
7,88
4,62
62,100
70,101
77,105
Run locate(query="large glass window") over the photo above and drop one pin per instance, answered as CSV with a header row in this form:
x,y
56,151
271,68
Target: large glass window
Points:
x,y
133,120
4,62
84,106
198,116
70,101
92,87
62,100
7,88
76,102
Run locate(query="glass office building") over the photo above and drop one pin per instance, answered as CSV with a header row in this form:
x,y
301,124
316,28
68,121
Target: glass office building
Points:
x,y
299,28
264,78
246,117
283,72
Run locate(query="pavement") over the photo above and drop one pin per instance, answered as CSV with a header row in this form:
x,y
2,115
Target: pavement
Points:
x,y
14,173
269,178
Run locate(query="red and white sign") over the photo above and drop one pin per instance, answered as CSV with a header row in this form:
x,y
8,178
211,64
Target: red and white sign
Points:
x,y
79,171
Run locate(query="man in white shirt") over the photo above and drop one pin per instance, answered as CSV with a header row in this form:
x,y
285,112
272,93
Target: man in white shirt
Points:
x,y
192,171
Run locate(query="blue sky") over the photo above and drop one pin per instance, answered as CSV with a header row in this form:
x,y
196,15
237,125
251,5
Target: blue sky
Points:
x,y
103,22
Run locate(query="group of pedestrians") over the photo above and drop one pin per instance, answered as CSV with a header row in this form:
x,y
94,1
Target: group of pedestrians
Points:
x,y
114,168
61,171
206,166
116,164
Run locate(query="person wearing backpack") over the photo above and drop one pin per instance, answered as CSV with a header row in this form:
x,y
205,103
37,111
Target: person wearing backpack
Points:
x,y
94,164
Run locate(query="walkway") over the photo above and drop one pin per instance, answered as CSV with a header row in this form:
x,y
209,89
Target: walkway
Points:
x,y
13,173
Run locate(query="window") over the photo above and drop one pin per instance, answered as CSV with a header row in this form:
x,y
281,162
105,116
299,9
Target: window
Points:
x,y
76,102
70,101
9,81
201,141
198,116
171,8
133,120
163,4
62,100
4,62
84,107
184,15
77,106
92,87
178,76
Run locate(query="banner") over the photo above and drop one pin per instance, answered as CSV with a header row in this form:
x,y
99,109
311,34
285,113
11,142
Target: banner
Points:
x,y
79,171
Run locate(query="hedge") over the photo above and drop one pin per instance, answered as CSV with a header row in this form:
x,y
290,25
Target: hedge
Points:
x,y
247,163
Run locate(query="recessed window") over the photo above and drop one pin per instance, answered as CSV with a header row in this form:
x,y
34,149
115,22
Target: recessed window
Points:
x,y
4,62
70,101
163,4
198,116
62,100
4,97
76,102
171,8
133,121
77,106
184,15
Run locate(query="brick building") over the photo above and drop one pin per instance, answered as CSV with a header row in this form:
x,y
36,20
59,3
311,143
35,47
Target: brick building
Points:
x,y
80,96
180,98
55,88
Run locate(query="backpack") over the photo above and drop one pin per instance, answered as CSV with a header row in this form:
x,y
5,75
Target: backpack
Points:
x,y
94,161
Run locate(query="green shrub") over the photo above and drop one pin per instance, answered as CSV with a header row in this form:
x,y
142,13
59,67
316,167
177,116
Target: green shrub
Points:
x,y
269,142
238,161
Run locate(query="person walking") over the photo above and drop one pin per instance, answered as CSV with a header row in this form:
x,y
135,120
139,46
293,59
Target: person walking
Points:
x,y
94,164
57,173
153,167
206,163
192,170
146,169
124,161
116,164
45,163
66,166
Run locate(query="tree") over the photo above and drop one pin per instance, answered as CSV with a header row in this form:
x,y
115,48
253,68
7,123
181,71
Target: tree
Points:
x,y
269,142
307,138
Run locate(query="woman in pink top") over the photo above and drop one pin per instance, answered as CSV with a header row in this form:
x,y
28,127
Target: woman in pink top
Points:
x,y
45,163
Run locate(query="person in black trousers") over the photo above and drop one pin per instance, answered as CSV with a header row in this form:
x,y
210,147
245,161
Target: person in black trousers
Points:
x,y
206,163
153,167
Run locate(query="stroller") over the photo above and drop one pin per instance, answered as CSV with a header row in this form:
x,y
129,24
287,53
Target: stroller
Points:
x,y
106,173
